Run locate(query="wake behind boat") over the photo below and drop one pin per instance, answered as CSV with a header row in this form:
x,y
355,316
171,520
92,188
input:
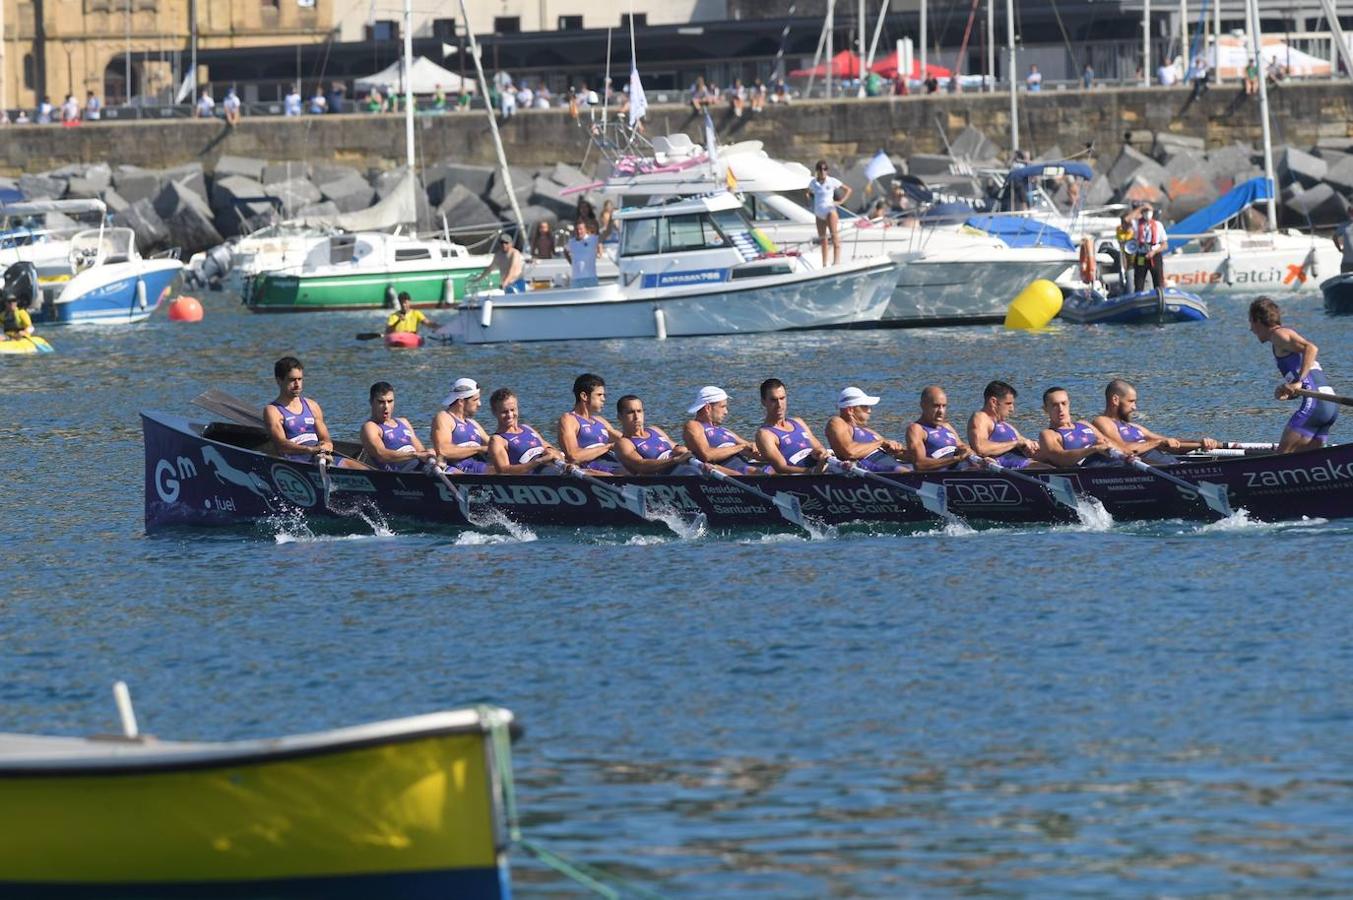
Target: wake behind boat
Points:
x,y
692,267
219,474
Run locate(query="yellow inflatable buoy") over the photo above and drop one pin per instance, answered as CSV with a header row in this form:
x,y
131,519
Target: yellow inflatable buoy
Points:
x,y
1036,306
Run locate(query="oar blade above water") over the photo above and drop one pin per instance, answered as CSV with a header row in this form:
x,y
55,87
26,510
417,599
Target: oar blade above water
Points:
x,y
935,498
1059,486
1214,495
789,507
634,499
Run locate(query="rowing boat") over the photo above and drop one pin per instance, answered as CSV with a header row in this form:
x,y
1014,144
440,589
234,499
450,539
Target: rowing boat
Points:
x,y
410,807
219,473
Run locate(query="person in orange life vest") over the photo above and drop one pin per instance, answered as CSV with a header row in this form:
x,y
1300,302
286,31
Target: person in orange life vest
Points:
x,y
1151,244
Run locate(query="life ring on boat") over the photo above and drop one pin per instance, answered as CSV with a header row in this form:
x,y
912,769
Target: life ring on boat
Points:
x,y
1087,264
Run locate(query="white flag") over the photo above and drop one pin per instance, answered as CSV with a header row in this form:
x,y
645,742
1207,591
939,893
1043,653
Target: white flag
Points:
x,y
879,166
711,139
638,102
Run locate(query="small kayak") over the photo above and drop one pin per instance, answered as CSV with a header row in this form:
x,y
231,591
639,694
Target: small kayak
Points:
x,y
31,344
403,339
1086,307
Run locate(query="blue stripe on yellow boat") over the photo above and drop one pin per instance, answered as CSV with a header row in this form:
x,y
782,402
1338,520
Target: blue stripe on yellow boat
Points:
x,y
26,345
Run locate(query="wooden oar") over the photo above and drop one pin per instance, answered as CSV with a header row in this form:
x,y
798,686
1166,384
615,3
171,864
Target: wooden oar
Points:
x,y
462,501
1333,398
1059,486
632,498
932,496
1214,495
369,335
787,505
228,406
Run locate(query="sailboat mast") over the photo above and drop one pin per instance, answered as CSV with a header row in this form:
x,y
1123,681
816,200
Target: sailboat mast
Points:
x,y
408,84
1256,45
503,171
1014,76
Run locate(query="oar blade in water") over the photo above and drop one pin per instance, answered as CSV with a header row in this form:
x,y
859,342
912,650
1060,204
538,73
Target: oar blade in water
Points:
x,y
1059,486
634,499
789,508
1214,495
934,498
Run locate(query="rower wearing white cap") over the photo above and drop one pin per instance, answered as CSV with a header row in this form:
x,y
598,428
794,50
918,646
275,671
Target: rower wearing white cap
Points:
x,y
787,443
709,440
931,440
456,436
851,439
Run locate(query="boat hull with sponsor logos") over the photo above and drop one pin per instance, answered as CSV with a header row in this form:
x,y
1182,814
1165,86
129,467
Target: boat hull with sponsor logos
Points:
x,y
218,474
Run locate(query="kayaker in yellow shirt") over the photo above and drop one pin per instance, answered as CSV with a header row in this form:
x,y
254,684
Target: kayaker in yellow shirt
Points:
x,y
407,319
17,323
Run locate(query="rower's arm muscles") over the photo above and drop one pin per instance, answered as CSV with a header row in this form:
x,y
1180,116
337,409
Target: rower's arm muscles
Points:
x,y
770,452
631,460
921,460
321,429
373,446
273,419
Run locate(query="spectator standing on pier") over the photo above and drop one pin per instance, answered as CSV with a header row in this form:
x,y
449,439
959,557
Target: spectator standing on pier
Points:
x,y
1166,74
231,107
758,96
70,111
1034,80
1199,75
318,104
1088,76
21,118
780,94
45,110
93,107
291,104
206,106
334,99
932,84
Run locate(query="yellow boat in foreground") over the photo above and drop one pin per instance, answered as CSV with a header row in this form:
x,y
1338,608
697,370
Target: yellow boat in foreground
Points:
x,y
31,344
406,808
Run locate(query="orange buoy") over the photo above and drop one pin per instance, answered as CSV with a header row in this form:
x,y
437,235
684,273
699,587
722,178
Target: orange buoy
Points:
x,y
185,309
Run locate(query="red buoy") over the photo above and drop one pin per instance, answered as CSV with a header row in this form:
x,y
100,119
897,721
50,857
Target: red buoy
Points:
x,y
185,309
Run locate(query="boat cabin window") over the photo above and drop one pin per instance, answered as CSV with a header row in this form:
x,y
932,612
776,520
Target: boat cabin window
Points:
x,y
760,211
639,237
412,253
686,233
341,247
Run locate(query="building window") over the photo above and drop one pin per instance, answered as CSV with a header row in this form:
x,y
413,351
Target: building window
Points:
x,y
640,20
383,30
30,72
271,4
570,23
444,29
506,24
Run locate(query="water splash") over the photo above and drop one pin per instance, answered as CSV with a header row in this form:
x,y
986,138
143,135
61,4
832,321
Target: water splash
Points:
x,y
492,517
818,530
688,528
365,510
1093,515
956,527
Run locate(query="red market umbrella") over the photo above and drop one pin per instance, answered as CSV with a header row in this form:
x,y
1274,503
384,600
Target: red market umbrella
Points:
x,y
844,65
887,67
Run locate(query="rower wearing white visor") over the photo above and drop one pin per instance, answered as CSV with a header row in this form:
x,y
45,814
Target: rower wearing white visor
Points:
x,y
932,442
851,439
458,439
646,449
787,443
709,440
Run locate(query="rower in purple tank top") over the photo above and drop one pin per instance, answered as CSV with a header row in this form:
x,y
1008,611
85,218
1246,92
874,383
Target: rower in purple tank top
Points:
x,y
516,449
932,442
459,440
585,438
646,449
389,442
852,440
296,423
712,442
1115,423
1295,357
1067,442
991,435
787,443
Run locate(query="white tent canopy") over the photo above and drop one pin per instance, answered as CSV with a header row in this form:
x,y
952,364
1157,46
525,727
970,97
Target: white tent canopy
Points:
x,y
1234,55
427,75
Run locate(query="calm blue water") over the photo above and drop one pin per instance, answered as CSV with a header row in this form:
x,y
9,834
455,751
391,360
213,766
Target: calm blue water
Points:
x,y
1150,710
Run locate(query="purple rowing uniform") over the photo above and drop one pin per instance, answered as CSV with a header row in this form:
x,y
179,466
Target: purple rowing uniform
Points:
x,y
939,441
877,461
1314,418
299,428
464,434
1077,436
652,445
1128,433
592,432
795,445
1011,459
397,436
521,445
719,437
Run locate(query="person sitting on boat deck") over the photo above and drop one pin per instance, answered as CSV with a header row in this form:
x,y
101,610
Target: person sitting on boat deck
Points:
x,y
991,435
710,441
406,319
16,323
932,442
587,439
1120,404
852,440
1296,359
509,262
456,436
1068,442
296,423
516,449
646,449
1151,243
388,442
787,443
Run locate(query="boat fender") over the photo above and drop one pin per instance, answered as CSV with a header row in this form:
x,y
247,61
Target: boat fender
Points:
x,y
1035,306
660,324
1310,266
141,293
391,298
1087,264
448,291
1226,270
486,314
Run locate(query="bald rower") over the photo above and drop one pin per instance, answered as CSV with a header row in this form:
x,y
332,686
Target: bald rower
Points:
x,y
991,435
1115,423
932,443
852,440
1067,442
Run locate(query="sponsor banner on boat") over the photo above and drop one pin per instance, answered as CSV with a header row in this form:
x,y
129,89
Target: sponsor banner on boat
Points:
x,y
684,279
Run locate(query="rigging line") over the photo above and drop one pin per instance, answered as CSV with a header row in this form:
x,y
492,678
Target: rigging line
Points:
x,y
1066,38
963,47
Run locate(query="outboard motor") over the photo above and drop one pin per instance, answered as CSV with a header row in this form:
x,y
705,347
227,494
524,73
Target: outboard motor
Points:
x,y
21,283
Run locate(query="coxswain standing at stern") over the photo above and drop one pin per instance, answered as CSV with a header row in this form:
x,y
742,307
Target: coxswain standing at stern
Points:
x,y
1120,405
456,436
787,444
584,436
1296,359
1066,442
932,442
